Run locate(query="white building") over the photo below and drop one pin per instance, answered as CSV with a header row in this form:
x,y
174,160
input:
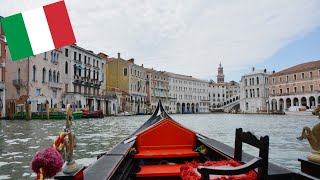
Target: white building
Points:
x,y
187,94
254,91
85,77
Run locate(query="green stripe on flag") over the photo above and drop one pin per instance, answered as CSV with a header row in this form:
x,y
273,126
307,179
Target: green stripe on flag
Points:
x,y
17,37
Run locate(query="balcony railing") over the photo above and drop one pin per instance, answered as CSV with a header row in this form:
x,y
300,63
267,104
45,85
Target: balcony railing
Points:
x,y
55,85
18,83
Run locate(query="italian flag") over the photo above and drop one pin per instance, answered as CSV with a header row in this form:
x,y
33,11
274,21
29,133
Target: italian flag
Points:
x,y
38,30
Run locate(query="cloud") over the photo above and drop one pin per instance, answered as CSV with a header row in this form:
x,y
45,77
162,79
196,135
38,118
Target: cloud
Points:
x,y
186,36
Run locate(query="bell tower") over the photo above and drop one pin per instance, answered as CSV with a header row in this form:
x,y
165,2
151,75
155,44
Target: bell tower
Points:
x,y
220,76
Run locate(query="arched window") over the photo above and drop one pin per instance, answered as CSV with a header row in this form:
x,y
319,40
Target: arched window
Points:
x,y
43,75
50,76
66,68
54,57
58,77
19,73
54,76
34,73
257,80
57,58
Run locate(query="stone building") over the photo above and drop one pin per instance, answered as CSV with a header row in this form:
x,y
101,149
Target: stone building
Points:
x,y
39,78
254,91
295,86
2,72
157,88
222,93
187,94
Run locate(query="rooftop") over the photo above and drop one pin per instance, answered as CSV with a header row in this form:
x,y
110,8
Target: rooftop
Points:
x,y
299,68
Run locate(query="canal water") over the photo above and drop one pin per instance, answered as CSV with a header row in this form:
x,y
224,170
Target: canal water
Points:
x,y
20,140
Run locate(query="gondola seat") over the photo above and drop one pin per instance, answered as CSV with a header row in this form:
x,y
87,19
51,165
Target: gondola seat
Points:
x,y
167,170
166,139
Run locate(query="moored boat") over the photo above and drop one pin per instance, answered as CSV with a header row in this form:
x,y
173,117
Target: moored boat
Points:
x,y
52,115
164,149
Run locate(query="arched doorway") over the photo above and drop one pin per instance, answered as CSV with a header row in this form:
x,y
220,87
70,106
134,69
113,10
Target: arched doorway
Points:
x,y
295,101
197,107
274,104
303,101
312,102
192,108
288,103
183,108
188,107
178,108
281,104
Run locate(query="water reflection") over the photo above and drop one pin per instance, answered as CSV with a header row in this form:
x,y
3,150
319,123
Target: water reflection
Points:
x,y
20,140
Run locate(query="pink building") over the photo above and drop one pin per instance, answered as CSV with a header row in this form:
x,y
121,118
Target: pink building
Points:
x,y
2,71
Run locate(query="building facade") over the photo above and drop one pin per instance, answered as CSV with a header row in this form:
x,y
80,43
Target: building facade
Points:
x,y
85,75
187,94
2,72
254,91
295,86
222,93
138,90
157,85
38,79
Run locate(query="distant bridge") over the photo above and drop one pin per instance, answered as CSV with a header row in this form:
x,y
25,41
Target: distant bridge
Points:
x,y
232,103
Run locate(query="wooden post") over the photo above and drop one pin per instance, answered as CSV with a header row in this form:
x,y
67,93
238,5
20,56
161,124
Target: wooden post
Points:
x,y
47,110
11,111
28,110
21,112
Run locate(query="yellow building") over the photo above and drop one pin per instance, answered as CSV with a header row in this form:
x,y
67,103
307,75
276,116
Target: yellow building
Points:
x,y
117,80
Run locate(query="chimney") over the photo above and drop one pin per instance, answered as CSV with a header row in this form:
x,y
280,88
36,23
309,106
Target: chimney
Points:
x,y
142,65
252,69
118,55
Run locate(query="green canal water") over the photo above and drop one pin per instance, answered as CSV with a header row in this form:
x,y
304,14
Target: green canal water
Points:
x,y
20,140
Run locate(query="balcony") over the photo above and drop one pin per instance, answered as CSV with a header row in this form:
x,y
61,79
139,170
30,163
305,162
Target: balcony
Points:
x,y
55,85
18,83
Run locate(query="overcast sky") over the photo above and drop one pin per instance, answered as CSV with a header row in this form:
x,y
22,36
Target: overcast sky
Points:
x,y
189,36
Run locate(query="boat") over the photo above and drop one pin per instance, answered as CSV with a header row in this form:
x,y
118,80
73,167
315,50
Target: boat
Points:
x,y
164,149
91,114
52,115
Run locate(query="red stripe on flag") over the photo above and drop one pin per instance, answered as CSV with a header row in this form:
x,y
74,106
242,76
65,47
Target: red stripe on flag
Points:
x,y
59,24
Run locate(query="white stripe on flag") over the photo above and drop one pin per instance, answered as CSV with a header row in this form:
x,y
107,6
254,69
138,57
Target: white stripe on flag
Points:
x,y
38,30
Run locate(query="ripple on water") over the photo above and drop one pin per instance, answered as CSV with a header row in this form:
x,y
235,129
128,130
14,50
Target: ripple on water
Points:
x,y
11,154
5,177
3,163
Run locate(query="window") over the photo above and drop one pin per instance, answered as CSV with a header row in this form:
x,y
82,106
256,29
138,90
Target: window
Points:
x,y
295,89
273,80
280,79
302,75
273,92
34,73
280,91
310,74
302,88
85,59
54,93
287,79
288,90
54,76
58,77
51,56
311,87
257,80
295,77
66,68
246,82
50,76
43,75
79,57
125,71
247,106
45,56
258,93
19,74
75,56
38,92
66,52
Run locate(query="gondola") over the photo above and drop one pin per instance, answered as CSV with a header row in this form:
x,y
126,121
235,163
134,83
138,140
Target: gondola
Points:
x,y
164,149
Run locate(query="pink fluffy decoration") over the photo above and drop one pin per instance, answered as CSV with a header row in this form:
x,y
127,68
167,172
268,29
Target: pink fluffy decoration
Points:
x,y
49,159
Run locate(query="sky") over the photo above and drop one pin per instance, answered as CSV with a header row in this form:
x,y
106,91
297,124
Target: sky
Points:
x,y
192,37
